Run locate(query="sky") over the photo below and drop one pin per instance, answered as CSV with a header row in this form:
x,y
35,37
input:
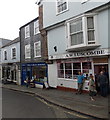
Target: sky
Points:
x,y
14,14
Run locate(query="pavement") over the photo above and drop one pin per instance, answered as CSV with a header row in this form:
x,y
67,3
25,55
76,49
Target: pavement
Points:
x,y
69,100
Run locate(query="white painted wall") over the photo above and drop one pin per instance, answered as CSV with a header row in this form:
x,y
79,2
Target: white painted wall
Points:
x,y
52,75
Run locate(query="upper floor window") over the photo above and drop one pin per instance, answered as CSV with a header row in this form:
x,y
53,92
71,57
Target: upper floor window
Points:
x,y
76,32
27,51
61,5
27,31
37,49
36,27
5,55
82,32
13,53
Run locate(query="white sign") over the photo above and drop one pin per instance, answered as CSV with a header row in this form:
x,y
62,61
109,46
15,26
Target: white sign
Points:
x,y
99,52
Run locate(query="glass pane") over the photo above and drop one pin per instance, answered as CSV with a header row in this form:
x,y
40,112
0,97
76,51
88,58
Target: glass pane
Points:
x,y
86,71
80,38
73,40
60,73
86,65
75,73
76,26
67,65
68,74
91,35
90,23
76,65
60,66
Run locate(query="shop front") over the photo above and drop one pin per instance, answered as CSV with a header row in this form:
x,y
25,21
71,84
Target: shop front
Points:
x,y
88,62
10,72
38,71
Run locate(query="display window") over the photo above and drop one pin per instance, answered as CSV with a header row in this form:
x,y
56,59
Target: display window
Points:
x,y
38,73
71,70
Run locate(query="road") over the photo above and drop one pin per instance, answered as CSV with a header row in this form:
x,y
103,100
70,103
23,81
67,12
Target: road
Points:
x,y
21,105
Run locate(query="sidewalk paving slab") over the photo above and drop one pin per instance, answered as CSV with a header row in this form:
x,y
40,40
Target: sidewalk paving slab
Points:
x,y
69,100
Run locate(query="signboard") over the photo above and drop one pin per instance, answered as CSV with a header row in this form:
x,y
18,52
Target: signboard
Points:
x,y
99,52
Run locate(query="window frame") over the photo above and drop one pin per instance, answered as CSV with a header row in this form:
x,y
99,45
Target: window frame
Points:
x,y
36,27
27,31
12,53
81,69
27,57
38,42
84,30
5,57
57,13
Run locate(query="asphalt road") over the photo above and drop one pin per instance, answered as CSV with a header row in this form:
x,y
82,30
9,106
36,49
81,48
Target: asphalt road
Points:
x,y
21,105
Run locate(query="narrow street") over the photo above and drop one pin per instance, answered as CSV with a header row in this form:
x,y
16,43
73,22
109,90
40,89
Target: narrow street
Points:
x,y
21,105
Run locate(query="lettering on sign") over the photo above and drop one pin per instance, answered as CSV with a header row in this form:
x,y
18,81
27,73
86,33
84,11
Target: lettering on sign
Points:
x,y
81,54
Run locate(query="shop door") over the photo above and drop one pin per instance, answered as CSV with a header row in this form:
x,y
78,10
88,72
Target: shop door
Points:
x,y
99,68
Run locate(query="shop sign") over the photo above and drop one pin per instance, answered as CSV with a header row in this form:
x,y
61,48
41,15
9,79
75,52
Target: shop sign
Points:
x,y
34,64
81,54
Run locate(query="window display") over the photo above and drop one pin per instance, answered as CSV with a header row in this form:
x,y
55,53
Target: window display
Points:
x,y
70,70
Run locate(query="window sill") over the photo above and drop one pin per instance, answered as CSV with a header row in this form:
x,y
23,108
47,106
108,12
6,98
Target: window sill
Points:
x,y
37,56
62,12
82,47
66,79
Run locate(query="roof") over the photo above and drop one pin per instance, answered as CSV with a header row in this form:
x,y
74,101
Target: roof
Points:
x,y
29,22
12,42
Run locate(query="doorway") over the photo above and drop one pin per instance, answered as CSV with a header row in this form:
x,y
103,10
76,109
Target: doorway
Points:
x,y
97,69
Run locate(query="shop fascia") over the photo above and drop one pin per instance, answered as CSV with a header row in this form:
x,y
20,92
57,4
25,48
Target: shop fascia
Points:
x,y
99,52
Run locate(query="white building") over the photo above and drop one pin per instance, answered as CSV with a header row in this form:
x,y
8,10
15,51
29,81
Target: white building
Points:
x,y
77,39
10,59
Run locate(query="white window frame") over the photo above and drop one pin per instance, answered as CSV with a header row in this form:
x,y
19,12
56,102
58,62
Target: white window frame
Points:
x,y
27,31
29,47
39,42
57,13
4,55
12,52
36,27
84,28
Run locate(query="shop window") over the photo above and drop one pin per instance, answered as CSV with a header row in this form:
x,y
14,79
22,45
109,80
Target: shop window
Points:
x,y
38,73
60,70
71,70
76,69
68,70
86,67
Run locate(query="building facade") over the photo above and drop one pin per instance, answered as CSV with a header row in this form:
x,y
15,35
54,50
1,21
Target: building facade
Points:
x,y
78,40
2,43
33,56
10,59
